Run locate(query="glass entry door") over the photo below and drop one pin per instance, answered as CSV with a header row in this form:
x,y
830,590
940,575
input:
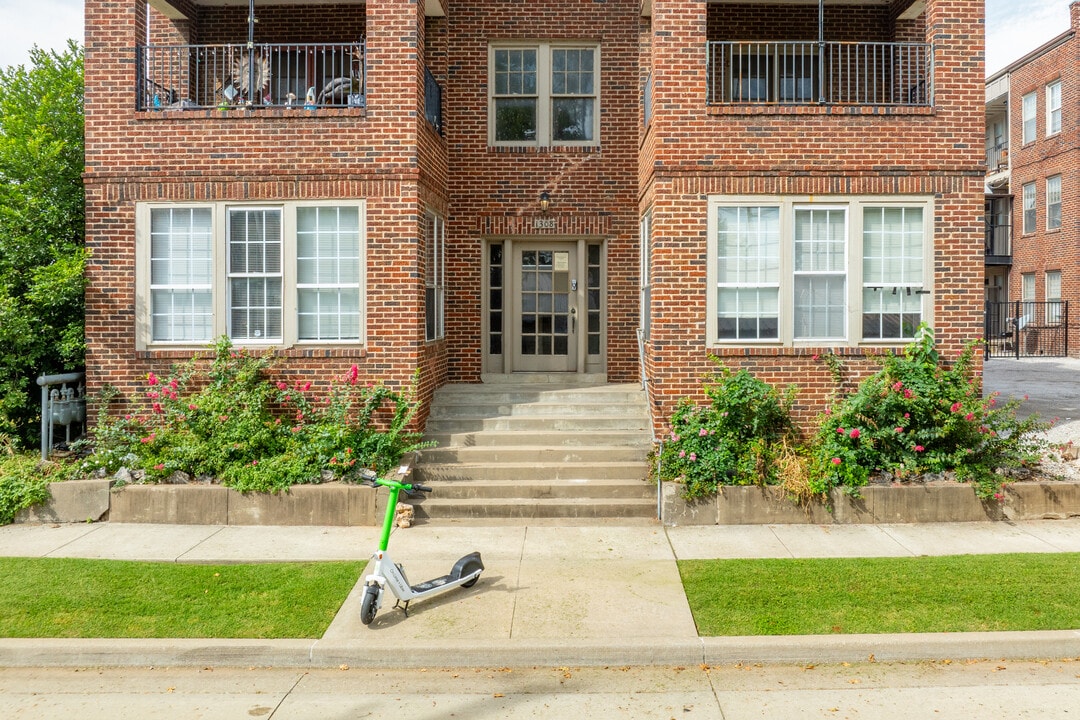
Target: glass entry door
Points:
x,y
545,315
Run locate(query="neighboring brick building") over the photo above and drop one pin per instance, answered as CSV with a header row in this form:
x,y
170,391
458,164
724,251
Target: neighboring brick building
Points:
x,y
1032,185
487,187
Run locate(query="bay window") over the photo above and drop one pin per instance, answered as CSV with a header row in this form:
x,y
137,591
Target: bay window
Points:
x,y
831,270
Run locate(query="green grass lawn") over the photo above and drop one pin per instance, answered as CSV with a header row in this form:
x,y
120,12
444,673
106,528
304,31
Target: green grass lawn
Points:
x,y
959,593
69,598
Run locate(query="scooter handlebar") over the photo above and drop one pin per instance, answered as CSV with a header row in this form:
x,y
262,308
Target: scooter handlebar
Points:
x,y
421,488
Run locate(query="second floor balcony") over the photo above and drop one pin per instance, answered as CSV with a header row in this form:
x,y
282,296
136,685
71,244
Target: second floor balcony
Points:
x,y
194,77
997,158
820,73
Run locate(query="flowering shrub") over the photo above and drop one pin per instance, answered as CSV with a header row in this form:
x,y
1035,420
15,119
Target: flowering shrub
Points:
x,y
917,416
253,434
732,441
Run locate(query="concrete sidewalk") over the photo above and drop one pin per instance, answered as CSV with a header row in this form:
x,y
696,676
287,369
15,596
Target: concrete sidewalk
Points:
x,y
607,595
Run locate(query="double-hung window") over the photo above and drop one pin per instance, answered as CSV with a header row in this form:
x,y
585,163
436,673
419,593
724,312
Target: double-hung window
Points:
x,y
1053,297
434,277
800,271
262,274
1053,108
1053,202
1028,193
1028,104
544,94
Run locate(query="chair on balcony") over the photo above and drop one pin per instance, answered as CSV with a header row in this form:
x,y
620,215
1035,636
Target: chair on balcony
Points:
x,y
346,90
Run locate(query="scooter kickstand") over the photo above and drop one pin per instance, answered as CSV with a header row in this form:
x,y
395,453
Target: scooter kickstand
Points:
x,y
404,608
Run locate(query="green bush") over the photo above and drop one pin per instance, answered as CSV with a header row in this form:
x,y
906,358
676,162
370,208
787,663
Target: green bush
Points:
x,y
22,484
734,440
917,415
253,434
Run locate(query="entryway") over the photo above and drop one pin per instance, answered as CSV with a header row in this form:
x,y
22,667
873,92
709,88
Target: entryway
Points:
x,y
545,306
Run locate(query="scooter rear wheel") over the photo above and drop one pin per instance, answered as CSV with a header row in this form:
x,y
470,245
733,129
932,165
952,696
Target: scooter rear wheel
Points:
x,y
369,605
468,570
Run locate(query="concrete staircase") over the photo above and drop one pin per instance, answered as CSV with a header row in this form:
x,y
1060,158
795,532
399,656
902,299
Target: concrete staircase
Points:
x,y
537,448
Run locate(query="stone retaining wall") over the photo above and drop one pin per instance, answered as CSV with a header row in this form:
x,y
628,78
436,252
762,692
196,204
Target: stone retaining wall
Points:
x,y
755,505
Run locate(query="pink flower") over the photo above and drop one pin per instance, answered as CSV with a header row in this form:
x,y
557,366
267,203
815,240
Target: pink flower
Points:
x,y
836,461
159,466
254,463
223,418
908,394
148,439
157,408
173,384
919,448
152,395
192,406
814,358
907,415
969,417
151,379
353,372
682,453
898,386
693,457
702,432
127,417
999,496
296,428
899,429
282,386
828,411
855,434
956,407
840,430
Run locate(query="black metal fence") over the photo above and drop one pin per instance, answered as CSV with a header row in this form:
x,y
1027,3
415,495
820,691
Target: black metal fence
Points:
x,y
183,77
1027,329
807,73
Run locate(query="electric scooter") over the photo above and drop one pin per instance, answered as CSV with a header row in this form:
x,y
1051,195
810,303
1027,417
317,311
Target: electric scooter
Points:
x,y
465,572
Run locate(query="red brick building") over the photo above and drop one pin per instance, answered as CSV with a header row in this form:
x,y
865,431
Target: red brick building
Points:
x,y
1032,184
483,188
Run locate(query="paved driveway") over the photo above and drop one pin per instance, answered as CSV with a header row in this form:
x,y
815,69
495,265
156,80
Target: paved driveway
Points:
x,y
1051,384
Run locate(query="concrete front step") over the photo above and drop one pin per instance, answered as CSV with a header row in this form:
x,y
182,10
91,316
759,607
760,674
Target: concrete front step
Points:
x,y
535,454
426,473
540,437
543,490
548,447
431,508
538,423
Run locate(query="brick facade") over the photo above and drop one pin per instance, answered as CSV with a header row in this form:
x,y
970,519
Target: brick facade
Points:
x,y
387,155
1048,155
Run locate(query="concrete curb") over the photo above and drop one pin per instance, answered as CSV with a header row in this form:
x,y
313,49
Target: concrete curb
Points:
x,y
1054,644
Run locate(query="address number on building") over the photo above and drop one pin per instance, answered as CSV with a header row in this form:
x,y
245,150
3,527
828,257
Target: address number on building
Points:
x,y
543,223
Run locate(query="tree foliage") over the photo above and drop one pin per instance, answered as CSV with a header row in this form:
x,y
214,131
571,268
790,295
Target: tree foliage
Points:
x,y
41,229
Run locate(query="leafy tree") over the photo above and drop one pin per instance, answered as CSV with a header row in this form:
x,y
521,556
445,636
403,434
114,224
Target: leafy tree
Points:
x,y
41,230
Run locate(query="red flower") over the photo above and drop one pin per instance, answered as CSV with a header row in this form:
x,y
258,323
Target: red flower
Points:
x,y
969,417
899,429
151,379
919,448
855,434
282,386
956,407
353,372
836,461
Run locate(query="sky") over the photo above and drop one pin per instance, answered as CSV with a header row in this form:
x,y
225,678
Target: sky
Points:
x,y
1013,27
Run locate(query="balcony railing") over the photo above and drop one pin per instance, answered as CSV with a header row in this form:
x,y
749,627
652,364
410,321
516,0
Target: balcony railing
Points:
x,y
812,73
433,101
997,158
182,77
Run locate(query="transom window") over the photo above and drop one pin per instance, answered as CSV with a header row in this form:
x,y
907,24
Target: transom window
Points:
x,y
792,271
544,94
261,274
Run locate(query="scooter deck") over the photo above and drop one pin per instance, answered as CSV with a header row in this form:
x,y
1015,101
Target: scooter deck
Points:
x,y
430,584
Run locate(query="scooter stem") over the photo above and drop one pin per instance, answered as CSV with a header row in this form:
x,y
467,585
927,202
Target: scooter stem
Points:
x,y
391,508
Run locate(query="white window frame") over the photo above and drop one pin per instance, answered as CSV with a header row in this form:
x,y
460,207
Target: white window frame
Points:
x,y
220,285
1028,128
1053,202
1053,297
545,97
434,276
1053,108
854,207
1029,208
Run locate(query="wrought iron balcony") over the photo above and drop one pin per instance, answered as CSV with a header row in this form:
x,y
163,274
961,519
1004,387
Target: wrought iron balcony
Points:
x,y
997,158
192,77
813,73
998,243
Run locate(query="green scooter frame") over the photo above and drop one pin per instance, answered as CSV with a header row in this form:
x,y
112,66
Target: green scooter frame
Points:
x,y
465,573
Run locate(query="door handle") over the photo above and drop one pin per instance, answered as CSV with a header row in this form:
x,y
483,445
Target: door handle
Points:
x,y
573,319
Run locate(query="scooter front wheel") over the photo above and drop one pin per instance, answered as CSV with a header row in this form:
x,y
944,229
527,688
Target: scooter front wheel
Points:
x,y
370,604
